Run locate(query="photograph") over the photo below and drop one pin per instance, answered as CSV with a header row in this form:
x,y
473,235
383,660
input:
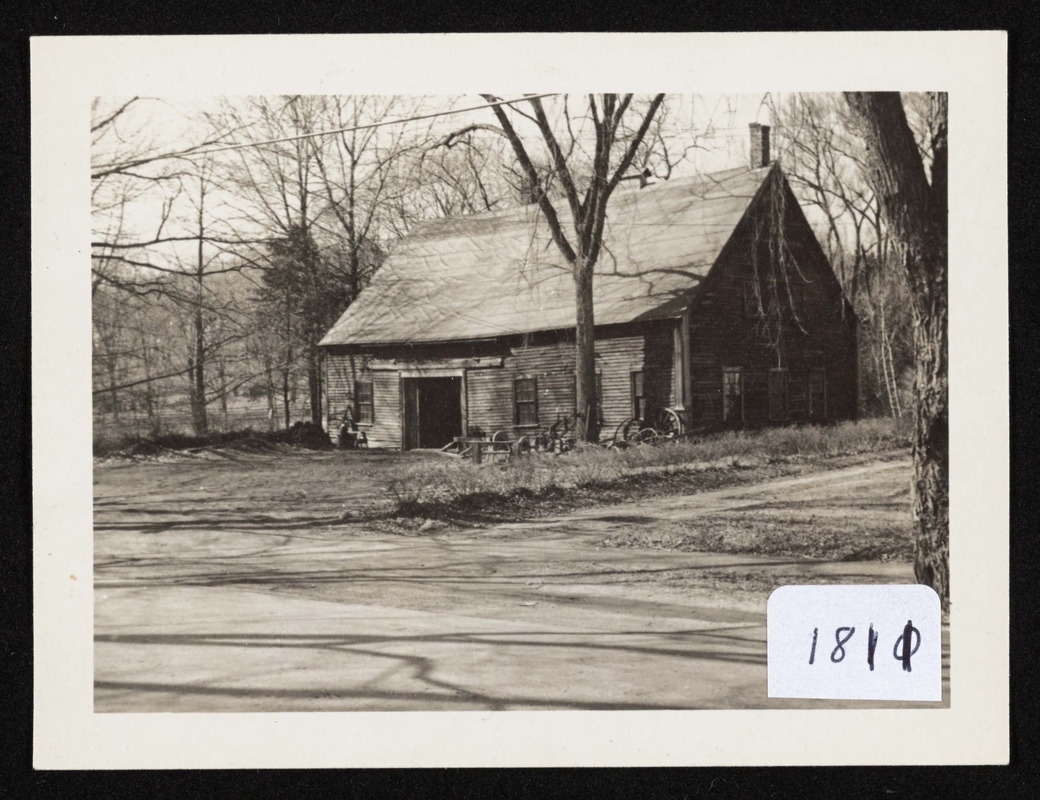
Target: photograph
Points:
x,y
487,403
412,401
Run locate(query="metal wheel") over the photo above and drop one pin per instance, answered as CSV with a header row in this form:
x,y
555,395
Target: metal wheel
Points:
x,y
626,432
669,424
500,443
543,442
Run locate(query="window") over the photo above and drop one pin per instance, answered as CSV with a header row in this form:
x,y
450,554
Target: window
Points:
x,y
778,394
638,397
364,406
525,394
732,395
818,394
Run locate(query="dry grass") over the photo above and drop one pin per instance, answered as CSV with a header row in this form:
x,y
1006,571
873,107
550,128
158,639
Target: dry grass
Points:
x,y
849,538
420,488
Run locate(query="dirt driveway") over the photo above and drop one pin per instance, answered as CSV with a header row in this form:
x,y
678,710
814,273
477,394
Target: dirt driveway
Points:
x,y
228,606
242,487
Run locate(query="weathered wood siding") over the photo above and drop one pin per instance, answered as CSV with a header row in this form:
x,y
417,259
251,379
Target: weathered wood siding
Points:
x,y
549,358
813,329
342,371
810,331
489,391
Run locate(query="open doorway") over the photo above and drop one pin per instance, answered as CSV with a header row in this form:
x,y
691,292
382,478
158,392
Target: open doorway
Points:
x,y
432,411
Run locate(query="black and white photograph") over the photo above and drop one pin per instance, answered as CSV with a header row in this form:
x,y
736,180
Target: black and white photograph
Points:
x,y
516,401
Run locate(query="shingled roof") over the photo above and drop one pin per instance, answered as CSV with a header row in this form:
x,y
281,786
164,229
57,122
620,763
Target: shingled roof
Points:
x,y
500,273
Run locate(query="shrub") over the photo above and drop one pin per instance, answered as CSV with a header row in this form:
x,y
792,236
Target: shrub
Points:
x,y
301,434
309,435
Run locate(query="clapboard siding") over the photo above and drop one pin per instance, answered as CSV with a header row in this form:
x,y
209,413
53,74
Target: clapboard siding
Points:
x,y
342,371
816,329
547,357
813,331
550,359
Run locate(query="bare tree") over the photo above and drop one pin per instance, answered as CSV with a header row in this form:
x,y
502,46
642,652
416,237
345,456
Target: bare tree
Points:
x,y
914,205
362,174
155,248
615,146
825,162
321,202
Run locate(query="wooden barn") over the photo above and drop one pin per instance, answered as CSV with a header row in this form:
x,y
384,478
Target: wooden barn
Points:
x,y
712,297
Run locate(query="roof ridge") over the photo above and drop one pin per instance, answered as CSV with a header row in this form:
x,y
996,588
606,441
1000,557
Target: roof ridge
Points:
x,y
498,273
648,190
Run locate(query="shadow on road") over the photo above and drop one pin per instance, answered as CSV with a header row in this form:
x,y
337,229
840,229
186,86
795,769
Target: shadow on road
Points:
x,y
423,668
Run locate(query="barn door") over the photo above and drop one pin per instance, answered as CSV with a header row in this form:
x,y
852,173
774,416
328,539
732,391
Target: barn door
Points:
x,y
432,411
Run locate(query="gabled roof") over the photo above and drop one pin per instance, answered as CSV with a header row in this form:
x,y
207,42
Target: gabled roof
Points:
x,y
500,273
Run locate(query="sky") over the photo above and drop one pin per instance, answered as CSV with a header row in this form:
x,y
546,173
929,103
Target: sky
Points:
x,y
720,123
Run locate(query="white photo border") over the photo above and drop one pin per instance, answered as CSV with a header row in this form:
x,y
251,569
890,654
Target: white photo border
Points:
x,y
67,72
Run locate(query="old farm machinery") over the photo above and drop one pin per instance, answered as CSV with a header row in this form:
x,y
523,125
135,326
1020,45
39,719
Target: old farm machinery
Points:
x,y
561,437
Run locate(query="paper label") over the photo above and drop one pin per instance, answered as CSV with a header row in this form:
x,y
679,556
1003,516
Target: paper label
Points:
x,y
879,642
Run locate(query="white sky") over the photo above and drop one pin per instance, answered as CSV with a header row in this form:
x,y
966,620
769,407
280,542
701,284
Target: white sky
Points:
x,y
720,122
173,123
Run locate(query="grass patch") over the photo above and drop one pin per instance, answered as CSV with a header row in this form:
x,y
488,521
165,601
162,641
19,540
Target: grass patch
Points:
x,y
456,488
841,539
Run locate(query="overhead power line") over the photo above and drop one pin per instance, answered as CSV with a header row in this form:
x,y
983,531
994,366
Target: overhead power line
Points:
x,y
208,150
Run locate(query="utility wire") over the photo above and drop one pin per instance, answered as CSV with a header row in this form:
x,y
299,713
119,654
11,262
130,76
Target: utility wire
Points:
x,y
223,148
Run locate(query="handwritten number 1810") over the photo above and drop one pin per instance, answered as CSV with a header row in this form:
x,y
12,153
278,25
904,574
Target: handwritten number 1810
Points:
x,y
904,647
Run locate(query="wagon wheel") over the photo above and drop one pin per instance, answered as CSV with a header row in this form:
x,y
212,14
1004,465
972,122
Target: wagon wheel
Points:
x,y
526,444
647,436
500,443
543,442
625,433
669,424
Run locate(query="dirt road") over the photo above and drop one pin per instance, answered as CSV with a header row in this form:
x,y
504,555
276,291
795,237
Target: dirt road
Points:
x,y
241,488
227,610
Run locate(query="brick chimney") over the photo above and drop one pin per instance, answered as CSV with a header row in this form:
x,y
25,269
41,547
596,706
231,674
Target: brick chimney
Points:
x,y
759,145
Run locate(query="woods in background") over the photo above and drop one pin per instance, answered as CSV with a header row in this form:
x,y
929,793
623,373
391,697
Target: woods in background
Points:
x,y
215,272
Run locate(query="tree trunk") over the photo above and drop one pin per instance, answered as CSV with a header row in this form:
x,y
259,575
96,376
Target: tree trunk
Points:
x,y
916,212
198,377
931,499
222,369
110,364
314,385
585,356
285,397
894,378
198,411
888,371
270,392
149,392
287,367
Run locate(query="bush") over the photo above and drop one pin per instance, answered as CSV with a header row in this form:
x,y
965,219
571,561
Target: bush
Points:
x,y
309,435
301,434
